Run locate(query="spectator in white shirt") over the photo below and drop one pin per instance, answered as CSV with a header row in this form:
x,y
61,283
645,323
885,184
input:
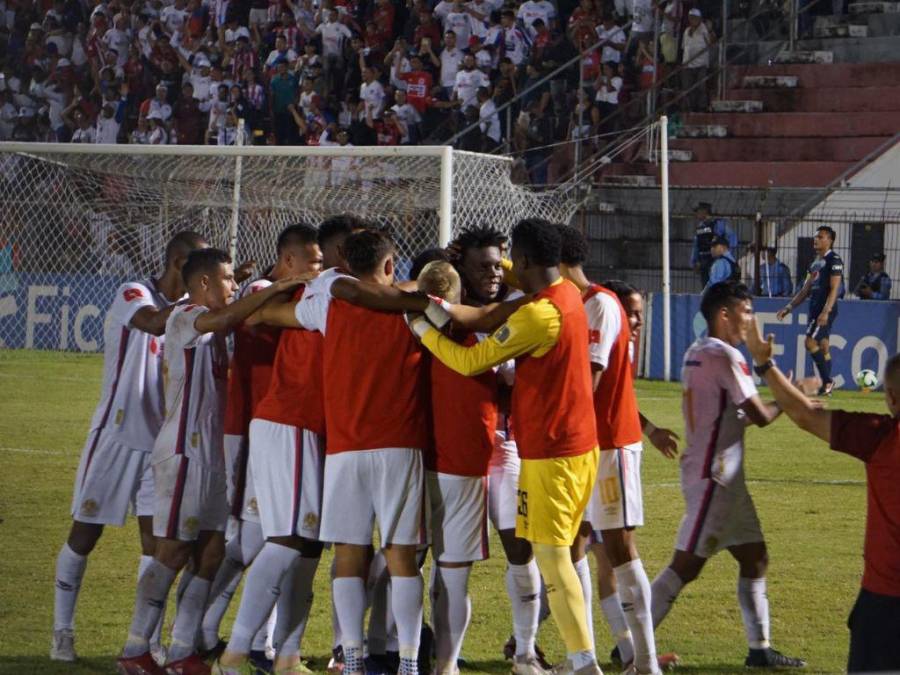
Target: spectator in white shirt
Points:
x,y
515,46
407,114
451,58
608,86
460,22
371,95
489,120
109,121
613,38
141,134
82,129
281,51
173,17
468,80
696,42
157,130
334,35
118,38
531,10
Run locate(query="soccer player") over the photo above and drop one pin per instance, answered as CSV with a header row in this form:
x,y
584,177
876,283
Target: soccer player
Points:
x,y
248,382
464,420
719,400
190,505
616,506
114,471
824,285
478,257
875,619
554,423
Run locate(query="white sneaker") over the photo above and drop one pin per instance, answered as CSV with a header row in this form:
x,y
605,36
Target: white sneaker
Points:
x,y
62,648
568,668
633,670
158,652
527,665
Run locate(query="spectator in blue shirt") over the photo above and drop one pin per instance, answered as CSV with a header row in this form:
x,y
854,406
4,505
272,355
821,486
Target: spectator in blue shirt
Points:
x,y
708,227
724,266
774,276
876,284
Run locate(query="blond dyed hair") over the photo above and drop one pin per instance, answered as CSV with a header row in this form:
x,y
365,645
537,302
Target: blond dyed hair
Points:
x,y
441,279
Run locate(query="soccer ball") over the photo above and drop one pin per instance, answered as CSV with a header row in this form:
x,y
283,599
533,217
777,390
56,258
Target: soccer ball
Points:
x,y
866,379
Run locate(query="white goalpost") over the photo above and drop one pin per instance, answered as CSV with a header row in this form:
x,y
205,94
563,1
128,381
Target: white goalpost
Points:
x,y
76,219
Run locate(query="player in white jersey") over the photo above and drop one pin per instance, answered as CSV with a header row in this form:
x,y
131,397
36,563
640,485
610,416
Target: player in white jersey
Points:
x,y
190,505
114,471
719,400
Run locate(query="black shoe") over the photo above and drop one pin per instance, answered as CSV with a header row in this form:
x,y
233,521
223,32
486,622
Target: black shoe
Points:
x,y
826,388
426,649
392,661
509,649
214,653
770,658
615,656
263,665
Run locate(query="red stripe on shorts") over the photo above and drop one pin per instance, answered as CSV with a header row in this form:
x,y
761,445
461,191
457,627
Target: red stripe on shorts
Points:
x,y
484,518
298,475
177,496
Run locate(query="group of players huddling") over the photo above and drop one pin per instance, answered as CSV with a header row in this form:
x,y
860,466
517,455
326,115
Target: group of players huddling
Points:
x,y
483,389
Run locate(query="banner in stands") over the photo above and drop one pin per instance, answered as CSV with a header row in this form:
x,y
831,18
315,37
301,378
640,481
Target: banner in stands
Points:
x,y
54,311
865,335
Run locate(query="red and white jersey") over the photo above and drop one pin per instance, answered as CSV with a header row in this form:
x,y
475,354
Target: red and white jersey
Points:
x,y
375,390
131,397
196,388
716,381
609,342
251,368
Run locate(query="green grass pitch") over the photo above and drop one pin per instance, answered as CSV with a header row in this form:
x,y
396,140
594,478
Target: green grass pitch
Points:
x,y
811,502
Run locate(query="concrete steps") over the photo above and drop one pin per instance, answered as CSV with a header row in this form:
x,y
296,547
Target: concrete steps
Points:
x,y
736,106
826,76
739,174
800,56
826,99
770,82
836,149
803,124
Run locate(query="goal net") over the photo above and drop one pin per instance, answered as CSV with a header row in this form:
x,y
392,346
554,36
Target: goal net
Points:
x,y
75,220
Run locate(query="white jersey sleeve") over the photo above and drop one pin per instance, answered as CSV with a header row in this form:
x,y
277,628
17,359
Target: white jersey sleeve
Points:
x,y
129,299
604,324
735,377
181,333
312,310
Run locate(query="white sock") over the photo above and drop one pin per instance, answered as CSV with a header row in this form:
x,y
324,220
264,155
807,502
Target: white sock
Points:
x,y
755,610
582,658
69,573
583,570
261,591
379,597
634,590
187,619
294,605
223,588
523,585
451,611
663,592
152,590
406,603
156,638
350,604
258,644
611,606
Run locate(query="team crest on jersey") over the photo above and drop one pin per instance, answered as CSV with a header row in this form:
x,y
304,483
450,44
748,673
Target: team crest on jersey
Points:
x,y
132,294
252,506
191,526
502,334
745,368
89,507
195,439
711,545
594,337
120,415
310,520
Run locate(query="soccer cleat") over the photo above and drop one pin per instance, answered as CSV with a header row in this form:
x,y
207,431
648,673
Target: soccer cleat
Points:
x,y
527,665
139,665
246,668
771,658
668,661
615,656
336,663
261,662
62,647
376,665
190,665
426,649
824,390
568,668
214,653
509,652
158,652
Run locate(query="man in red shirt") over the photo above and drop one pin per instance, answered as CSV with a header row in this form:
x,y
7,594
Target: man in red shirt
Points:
x,y
875,439
417,83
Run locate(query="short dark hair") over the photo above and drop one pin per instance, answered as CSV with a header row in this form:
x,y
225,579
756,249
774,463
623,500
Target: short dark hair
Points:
x,y
575,249
539,239
425,257
827,230
622,289
343,224
722,294
297,234
203,261
482,236
364,250
182,244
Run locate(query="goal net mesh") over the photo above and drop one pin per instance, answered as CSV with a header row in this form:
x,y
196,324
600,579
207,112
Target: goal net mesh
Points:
x,y
74,225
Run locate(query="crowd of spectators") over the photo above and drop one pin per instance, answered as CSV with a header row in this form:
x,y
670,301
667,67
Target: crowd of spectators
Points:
x,y
342,72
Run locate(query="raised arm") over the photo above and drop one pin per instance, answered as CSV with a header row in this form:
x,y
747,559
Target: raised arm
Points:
x,y
152,320
228,317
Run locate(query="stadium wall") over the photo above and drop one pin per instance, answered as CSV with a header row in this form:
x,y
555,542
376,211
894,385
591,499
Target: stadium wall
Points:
x,y
865,335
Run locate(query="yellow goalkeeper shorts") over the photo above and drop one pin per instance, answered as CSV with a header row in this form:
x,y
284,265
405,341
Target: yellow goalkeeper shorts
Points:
x,y
553,494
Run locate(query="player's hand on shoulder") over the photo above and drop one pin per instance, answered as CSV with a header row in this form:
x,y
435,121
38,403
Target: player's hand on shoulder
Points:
x,y
292,283
244,271
418,323
666,441
438,311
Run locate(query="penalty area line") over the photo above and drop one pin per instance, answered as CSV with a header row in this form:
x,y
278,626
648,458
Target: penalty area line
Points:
x,y
34,451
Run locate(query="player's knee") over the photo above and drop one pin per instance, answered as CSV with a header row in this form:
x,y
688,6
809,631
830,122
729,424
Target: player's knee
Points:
x,y
401,560
811,345
211,557
518,551
173,554
83,537
756,568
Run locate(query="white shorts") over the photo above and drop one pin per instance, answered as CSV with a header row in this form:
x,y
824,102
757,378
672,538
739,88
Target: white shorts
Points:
x,y
287,465
189,499
364,485
717,517
458,519
241,491
503,483
617,501
111,478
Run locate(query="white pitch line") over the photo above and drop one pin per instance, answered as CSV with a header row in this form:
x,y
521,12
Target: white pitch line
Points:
x,y
774,480
35,451
42,378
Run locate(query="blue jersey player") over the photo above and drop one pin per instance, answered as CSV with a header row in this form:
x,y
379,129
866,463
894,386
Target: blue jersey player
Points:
x,y
824,285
